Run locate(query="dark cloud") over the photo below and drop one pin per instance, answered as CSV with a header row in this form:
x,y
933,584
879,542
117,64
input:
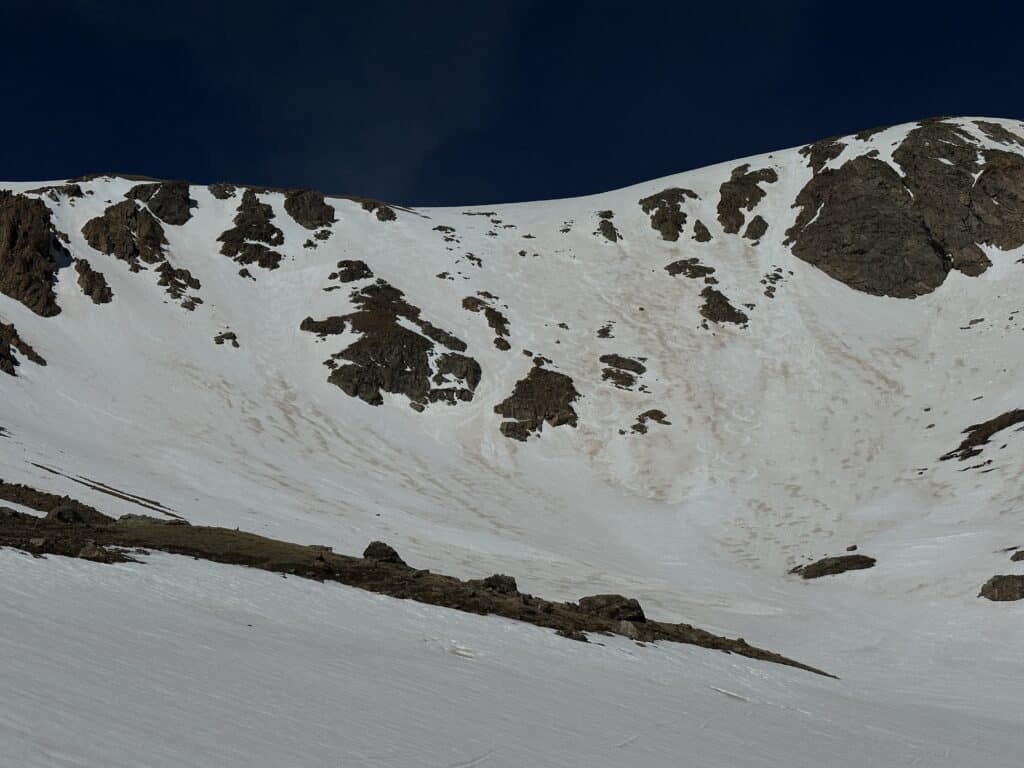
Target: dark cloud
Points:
x,y
475,102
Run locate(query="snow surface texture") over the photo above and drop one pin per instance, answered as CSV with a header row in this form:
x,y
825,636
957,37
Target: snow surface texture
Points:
x,y
807,430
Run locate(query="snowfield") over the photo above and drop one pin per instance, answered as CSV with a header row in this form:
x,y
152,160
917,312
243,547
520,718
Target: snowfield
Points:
x,y
815,426
182,663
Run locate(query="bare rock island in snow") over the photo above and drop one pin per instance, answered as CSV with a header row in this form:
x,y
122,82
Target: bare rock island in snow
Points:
x,y
660,408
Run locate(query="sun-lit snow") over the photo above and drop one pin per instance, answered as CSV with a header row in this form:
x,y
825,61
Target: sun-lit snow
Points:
x,y
816,427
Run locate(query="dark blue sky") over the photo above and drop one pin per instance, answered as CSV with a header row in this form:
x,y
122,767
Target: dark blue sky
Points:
x,y
457,103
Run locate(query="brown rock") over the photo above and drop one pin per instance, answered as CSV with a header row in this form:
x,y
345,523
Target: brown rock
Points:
x,y
93,283
614,607
252,239
655,415
1003,588
56,191
756,229
309,208
380,571
573,634
76,514
127,232
501,583
891,235
384,212
29,244
666,209
978,435
830,566
177,282
742,192
222,190
226,336
350,270
10,342
542,396
497,321
717,308
625,363
168,200
852,223
607,230
691,268
820,152
390,357
382,553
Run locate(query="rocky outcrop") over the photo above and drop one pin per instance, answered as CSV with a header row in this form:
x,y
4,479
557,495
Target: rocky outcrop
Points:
x,y
127,232
31,252
308,208
133,234
222,190
390,357
169,201
756,229
85,532
350,270
857,223
691,268
10,342
717,309
605,228
655,415
742,192
453,366
502,584
978,435
50,504
329,326
999,133
542,396
383,211
939,161
614,607
497,321
253,238
820,152
1003,588
227,337
700,232
56,192
666,210
891,235
380,552
93,283
177,282
867,133
621,371
997,205
830,566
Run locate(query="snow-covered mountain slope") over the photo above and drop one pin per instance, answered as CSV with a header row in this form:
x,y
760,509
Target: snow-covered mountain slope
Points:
x,y
182,663
676,391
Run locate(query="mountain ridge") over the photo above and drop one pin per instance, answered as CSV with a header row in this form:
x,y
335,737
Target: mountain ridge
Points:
x,y
686,390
